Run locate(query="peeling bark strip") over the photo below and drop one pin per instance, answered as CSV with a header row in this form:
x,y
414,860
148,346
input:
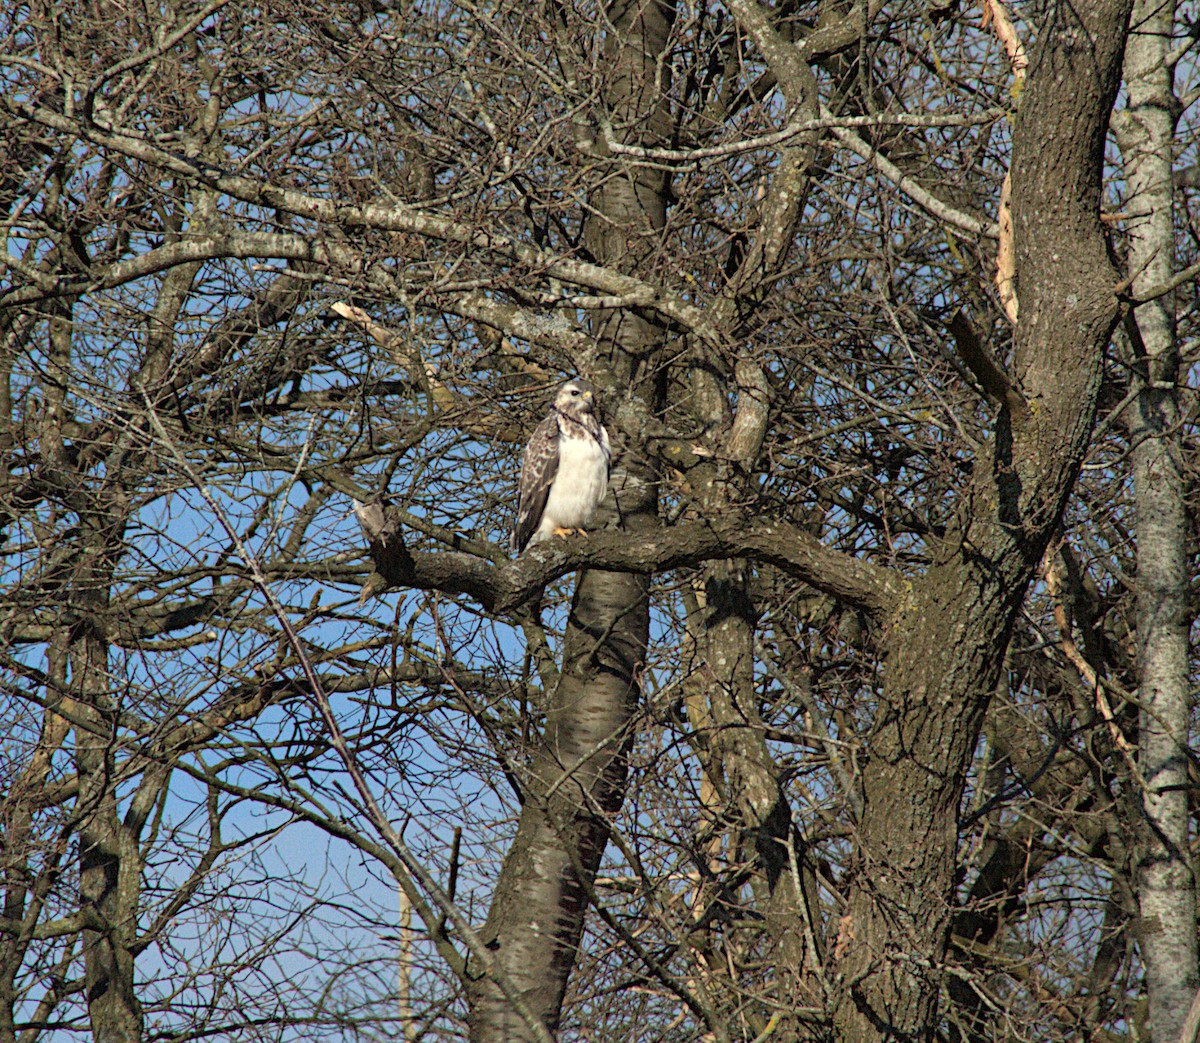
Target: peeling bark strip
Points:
x,y
946,644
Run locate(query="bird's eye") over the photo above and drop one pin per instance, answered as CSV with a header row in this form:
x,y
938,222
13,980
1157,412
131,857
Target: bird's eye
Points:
x,y
574,392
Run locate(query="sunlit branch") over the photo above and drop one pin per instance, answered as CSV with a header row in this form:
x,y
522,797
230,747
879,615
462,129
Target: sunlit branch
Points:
x,y
393,218
501,589
912,188
677,157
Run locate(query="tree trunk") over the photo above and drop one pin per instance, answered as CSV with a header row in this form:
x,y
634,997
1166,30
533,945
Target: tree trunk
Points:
x,y
1166,885
109,860
575,785
577,781
945,644
737,760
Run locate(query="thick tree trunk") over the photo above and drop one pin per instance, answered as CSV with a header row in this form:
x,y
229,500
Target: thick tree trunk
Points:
x,y
946,642
577,782
574,786
1166,884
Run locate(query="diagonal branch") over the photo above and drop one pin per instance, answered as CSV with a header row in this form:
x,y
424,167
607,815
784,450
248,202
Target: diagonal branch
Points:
x,y
416,880
397,217
909,186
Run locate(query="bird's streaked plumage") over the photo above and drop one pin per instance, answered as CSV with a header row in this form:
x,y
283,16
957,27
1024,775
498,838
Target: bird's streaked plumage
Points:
x,y
564,470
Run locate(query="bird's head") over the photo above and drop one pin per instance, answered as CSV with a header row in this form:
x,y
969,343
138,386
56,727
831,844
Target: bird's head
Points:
x,y
576,397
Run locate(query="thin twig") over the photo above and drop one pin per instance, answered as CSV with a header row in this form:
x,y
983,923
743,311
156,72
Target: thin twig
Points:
x,y
417,873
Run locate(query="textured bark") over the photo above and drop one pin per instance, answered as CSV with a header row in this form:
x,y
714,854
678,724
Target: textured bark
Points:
x,y
741,774
109,861
1166,884
750,783
739,766
945,644
573,788
577,781
731,535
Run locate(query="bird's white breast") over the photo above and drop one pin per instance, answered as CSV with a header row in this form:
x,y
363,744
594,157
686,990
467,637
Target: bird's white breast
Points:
x,y
578,487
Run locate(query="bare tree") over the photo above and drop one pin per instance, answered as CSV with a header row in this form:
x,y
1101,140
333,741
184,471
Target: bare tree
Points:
x,y
843,720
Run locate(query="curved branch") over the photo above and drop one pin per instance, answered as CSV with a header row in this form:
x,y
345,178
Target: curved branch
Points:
x,y
910,187
397,217
875,589
241,244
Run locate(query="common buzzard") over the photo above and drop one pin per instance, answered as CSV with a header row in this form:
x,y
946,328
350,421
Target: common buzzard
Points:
x,y
564,470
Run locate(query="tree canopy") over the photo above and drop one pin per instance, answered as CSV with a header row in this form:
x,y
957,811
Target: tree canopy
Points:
x,y
861,713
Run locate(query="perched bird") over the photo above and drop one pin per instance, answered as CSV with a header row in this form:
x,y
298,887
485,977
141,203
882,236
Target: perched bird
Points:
x,y
564,470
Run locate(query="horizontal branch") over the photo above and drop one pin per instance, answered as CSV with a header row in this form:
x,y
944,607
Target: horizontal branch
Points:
x,y
84,919
240,244
499,589
793,130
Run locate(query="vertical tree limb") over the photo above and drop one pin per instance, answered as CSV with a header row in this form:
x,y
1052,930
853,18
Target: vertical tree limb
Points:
x,y
1165,875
